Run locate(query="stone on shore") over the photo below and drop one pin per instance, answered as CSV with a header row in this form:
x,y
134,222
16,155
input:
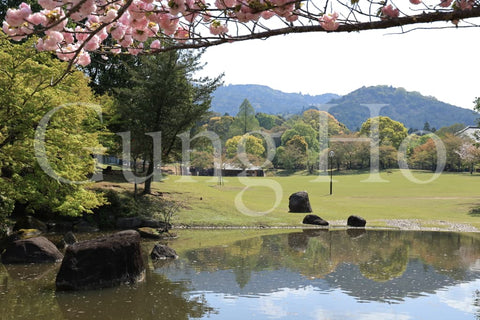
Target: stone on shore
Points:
x,y
356,221
315,220
32,250
299,202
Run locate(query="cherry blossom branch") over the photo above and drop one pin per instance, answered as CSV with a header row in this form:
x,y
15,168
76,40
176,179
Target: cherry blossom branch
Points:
x,y
152,26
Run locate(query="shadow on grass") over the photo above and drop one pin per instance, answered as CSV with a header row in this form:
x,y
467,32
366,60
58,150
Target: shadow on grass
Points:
x,y
475,212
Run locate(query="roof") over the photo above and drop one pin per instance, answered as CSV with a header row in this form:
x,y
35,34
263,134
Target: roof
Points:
x,y
472,132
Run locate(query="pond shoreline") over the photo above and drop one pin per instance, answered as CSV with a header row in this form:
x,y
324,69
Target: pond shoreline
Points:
x,y
383,224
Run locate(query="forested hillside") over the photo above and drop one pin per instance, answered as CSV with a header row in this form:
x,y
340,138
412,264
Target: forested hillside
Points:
x,y
410,108
264,99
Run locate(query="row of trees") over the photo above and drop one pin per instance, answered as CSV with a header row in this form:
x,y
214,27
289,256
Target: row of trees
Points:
x,y
302,140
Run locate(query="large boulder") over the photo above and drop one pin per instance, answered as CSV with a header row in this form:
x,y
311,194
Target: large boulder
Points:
x,y
299,202
314,219
160,252
32,250
356,221
101,263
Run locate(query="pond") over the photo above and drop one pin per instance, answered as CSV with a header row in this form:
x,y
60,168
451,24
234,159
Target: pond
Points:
x,y
309,274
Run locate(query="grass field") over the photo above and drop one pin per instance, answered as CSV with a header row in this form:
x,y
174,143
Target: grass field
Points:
x,y
451,197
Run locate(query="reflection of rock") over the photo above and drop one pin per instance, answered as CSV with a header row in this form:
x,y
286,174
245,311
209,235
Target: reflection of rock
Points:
x,y
32,250
29,222
161,252
297,241
25,272
155,298
356,221
103,262
299,202
356,233
85,226
314,232
138,222
147,232
314,219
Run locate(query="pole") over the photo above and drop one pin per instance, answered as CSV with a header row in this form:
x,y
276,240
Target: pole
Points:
x,y
331,154
331,175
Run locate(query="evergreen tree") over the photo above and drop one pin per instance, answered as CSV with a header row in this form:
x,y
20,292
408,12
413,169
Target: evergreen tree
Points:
x,y
244,121
162,96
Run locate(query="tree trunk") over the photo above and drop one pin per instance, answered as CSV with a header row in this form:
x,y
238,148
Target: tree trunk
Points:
x,y
148,182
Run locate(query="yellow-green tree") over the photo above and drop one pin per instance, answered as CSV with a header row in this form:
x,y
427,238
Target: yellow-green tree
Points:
x,y
26,96
390,132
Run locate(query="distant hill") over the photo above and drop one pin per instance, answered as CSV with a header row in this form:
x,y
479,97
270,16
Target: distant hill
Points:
x,y
410,108
264,99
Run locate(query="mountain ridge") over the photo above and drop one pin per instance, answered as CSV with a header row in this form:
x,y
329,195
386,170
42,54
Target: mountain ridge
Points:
x,y
409,107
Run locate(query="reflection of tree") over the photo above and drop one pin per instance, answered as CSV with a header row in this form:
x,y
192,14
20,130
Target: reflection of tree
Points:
x,y
384,268
28,292
380,255
476,303
155,298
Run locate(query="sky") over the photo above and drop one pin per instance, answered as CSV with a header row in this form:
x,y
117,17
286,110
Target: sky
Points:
x,y
441,63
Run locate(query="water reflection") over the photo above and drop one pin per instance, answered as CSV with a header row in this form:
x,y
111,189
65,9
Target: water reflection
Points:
x,y
28,292
381,267
314,274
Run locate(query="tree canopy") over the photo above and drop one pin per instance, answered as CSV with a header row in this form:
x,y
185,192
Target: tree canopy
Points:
x,y
72,29
161,95
71,136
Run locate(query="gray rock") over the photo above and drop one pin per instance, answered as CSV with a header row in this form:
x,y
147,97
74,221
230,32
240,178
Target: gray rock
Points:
x,y
32,250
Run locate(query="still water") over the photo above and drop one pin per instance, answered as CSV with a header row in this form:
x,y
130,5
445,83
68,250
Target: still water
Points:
x,y
310,274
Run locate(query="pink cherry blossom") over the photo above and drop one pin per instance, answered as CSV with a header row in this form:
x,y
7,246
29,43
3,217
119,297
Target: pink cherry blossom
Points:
x,y
136,51
168,23
48,4
37,19
465,4
16,17
182,35
415,1
92,44
445,3
155,45
126,41
390,12
68,36
116,50
110,16
81,34
83,59
328,22
267,14
118,31
52,40
217,28
223,4
140,35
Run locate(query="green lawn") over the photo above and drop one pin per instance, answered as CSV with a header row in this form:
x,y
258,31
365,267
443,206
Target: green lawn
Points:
x,y
448,198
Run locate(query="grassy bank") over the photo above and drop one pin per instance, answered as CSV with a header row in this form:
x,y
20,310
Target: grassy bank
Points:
x,y
451,197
